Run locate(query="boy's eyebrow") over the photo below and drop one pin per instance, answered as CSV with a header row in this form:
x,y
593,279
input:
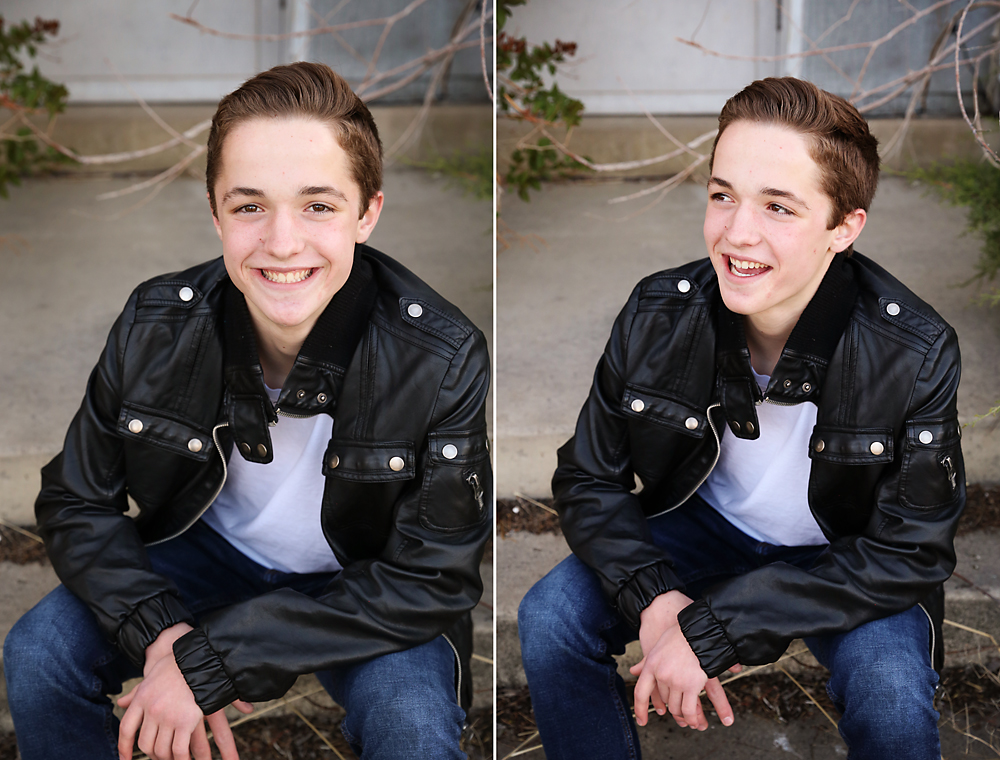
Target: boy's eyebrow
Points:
x,y
250,191
771,191
323,190
776,193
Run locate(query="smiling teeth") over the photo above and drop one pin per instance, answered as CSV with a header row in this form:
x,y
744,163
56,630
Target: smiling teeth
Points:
x,y
286,277
735,265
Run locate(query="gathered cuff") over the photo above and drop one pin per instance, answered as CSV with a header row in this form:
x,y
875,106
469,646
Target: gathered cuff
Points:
x,y
202,668
642,588
707,638
149,620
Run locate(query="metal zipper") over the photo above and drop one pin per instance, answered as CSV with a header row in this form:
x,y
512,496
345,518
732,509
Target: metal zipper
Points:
x,y
933,634
767,400
281,413
225,474
458,668
718,453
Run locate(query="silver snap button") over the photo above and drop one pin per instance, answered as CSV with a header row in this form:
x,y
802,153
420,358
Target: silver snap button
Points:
x,y
638,405
185,293
876,448
262,449
787,383
321,398
414,310
300,394
806,387
684,286
926,436
194,445
892,309
396,464
750,427
450,451
334,462
820,445
245,448
691,423
135,426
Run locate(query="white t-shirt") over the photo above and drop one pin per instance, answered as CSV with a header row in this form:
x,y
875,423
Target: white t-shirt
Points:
x,y
762,486
271,512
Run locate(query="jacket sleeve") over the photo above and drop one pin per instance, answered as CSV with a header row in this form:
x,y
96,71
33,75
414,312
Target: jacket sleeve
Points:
x,y
426,578
81,513
905,551
602,519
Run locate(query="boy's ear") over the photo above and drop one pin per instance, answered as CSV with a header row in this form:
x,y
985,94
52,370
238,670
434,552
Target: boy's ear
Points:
x,y
215,219
366,224
848,230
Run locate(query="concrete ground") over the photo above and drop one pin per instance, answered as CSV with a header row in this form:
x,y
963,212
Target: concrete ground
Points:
x,y
70,267
571,263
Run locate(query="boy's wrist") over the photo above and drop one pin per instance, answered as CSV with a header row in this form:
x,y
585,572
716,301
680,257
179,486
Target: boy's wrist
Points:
x,y
164,644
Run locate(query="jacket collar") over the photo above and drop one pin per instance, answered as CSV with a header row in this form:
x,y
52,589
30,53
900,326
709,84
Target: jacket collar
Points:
x,y
313,386
798,376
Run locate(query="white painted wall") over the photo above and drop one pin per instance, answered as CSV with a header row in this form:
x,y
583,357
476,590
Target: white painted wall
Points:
x,y
627,45
163,60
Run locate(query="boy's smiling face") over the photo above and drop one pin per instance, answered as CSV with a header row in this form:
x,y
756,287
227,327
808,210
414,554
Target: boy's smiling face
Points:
x,y
287,215
766,224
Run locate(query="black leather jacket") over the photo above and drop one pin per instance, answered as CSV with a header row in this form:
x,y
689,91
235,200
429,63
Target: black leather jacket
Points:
x,y
406,506
886,484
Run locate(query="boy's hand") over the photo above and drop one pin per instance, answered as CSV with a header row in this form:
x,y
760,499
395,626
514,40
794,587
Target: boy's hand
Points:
x,y
669,672
162,709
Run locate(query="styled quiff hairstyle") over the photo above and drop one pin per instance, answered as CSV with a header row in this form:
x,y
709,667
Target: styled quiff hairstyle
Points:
x,y
841,144
311,90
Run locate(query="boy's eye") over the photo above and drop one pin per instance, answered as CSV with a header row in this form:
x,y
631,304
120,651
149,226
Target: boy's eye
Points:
x,y
319,207
779,209
719,197
249,208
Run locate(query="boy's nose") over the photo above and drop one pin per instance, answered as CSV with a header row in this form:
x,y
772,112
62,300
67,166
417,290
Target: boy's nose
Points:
x,y
742,229
283,237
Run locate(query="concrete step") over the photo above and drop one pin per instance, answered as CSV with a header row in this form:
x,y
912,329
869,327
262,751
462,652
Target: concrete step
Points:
x,y
23,586
523,558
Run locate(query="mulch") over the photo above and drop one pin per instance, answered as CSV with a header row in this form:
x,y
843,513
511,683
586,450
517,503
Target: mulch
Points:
x,y
982,512
969,698
286,737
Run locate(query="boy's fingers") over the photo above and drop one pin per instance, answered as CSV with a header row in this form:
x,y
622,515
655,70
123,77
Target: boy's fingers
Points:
x,y
200,747
244,707
691,709
658,704
718,698
637,668
126,732
643,688
736,668
223,735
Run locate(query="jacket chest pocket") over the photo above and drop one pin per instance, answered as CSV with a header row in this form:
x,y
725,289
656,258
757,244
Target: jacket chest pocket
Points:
x,y
662,430
847,465
458,483
363,482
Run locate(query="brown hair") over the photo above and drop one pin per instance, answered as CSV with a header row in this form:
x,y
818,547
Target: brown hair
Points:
x,y
303,90
842,145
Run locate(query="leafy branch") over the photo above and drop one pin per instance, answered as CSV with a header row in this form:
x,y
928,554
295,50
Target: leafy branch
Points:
x,y
26,93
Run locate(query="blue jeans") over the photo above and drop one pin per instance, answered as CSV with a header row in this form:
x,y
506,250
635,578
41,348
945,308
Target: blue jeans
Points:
x,y
60,668
881,679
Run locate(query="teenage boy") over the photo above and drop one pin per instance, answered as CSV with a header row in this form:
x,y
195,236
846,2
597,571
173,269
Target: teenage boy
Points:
x,y
790,411
301,424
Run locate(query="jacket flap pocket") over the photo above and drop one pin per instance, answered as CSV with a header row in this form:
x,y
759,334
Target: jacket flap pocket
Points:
x,y
654,406
460,447
933,434
374,462
853,446
142,424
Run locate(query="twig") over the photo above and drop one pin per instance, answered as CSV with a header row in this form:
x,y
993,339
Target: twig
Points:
x,y
981,590
482,48
518,751
479,657
808,695
145,106
305,32
163,177
317,732
22,531
972,630
987,150
538,504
